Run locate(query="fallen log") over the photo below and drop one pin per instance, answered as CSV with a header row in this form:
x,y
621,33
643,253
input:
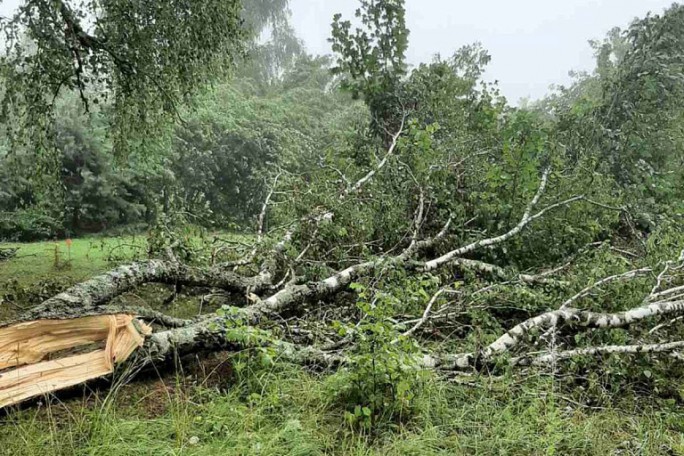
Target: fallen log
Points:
x,y
93,296
85,317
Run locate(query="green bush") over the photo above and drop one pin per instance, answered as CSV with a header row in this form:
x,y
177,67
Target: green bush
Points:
x,y
383,375
27,225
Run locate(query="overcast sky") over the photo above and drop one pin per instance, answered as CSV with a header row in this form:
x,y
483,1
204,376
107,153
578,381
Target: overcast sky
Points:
x,y
533,43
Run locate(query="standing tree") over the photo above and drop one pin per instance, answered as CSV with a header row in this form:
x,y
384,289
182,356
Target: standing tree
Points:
x,y
372,59
142,57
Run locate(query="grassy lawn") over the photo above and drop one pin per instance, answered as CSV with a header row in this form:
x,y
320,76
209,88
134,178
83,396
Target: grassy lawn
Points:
x,y
54,260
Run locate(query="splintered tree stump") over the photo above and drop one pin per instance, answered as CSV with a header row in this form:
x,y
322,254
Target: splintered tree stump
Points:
x,y
24,372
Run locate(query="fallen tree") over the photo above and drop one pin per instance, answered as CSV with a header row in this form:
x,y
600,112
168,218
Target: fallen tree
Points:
x,y
455,202
84,316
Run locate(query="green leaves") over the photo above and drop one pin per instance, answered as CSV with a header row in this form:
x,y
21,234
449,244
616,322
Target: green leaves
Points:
x,y
143,58
383,371
259,344
371,59
627,116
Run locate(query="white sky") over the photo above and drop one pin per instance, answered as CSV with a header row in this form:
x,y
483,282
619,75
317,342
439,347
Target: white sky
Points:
x,y
533,43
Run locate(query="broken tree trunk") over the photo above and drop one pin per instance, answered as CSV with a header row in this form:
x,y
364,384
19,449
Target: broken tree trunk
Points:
x,y
93,296
24,346
38,347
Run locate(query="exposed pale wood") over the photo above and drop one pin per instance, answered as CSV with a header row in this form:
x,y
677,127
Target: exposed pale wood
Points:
x,y
127,340
37,379
109,346
30,342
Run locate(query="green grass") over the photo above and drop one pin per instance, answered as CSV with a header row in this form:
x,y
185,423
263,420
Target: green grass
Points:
x,y
286,411
54,260
210,409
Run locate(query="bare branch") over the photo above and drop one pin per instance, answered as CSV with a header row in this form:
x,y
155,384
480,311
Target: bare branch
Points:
x,y
582,318
665,325
526,219
361,182
424,243
607,349
663,294
493,269
264,209
618,277
260,225
418,218
339,172
426,313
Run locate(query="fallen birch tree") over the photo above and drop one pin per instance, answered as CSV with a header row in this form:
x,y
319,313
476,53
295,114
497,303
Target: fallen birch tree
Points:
x,y
88,317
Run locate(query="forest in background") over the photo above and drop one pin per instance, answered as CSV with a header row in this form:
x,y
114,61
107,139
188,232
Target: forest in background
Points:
x,y
284,109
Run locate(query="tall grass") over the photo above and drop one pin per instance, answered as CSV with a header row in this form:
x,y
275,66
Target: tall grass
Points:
x,y
287,411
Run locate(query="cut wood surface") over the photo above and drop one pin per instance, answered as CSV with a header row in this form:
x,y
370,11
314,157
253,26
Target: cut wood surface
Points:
x,y
27,344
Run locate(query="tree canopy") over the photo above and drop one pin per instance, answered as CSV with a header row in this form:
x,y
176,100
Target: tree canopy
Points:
x,y
141,58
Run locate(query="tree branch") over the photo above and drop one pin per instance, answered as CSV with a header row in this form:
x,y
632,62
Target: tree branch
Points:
x,y
551,358
526,219
361,182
